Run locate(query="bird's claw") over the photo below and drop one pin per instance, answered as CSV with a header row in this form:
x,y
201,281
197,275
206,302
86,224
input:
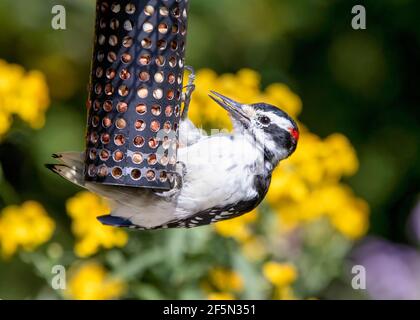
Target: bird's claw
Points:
x,y
186,97
181,168
176,181
179,174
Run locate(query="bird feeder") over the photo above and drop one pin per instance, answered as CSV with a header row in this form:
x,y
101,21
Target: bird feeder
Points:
x,y
135,92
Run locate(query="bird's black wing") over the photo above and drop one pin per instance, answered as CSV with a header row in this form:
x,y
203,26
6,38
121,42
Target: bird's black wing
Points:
x,y
216,214
212,215
202,218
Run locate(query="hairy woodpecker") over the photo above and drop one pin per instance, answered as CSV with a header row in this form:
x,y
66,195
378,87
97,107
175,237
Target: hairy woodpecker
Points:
x,y
222,176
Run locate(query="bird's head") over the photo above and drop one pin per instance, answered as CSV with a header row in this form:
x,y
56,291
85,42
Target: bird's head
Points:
x,y
272,129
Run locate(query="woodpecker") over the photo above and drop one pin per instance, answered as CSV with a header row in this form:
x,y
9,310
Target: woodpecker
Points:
x,y
222,176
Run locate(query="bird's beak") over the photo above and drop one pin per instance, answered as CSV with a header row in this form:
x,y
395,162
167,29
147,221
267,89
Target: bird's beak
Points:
x,y
234,108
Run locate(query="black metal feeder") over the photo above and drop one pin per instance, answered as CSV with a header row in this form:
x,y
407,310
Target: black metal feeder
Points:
x,y
135,92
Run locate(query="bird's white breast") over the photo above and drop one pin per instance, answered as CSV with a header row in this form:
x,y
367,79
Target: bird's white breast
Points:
x,y
219,172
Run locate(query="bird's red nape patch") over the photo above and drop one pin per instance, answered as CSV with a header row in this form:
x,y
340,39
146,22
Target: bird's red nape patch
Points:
x,y
294,133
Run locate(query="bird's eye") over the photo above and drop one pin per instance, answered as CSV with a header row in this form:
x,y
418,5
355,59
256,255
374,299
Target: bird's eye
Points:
x,y
265,120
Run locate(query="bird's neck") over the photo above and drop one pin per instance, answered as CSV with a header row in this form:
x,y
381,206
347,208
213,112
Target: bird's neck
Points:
x,y
265,160
271,160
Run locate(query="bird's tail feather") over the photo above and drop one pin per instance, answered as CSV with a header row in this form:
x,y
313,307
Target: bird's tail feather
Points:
x,y
67,173
110,220
71,167
71,159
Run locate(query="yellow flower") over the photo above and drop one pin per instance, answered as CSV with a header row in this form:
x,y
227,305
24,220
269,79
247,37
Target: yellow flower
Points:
x,y
304,187
91,282
26,226
352,221
83,208
250,79
348,214
284,293
254,248
340,156
34,99
243,86
220,296
280,274
5,122
238,228
22,94
281,96
225,280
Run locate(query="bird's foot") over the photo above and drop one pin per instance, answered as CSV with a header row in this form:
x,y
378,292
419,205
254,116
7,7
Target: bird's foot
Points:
x,y
176,181
181,168
178,176
186,97
191,77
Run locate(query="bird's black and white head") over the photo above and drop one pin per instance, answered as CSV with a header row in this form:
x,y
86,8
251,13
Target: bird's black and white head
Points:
x,y
273,130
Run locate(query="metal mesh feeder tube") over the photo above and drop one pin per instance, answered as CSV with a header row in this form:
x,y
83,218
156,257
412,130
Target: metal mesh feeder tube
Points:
x,y
135,92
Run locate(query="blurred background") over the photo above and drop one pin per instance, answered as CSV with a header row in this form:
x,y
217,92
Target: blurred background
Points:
x,y
355,175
